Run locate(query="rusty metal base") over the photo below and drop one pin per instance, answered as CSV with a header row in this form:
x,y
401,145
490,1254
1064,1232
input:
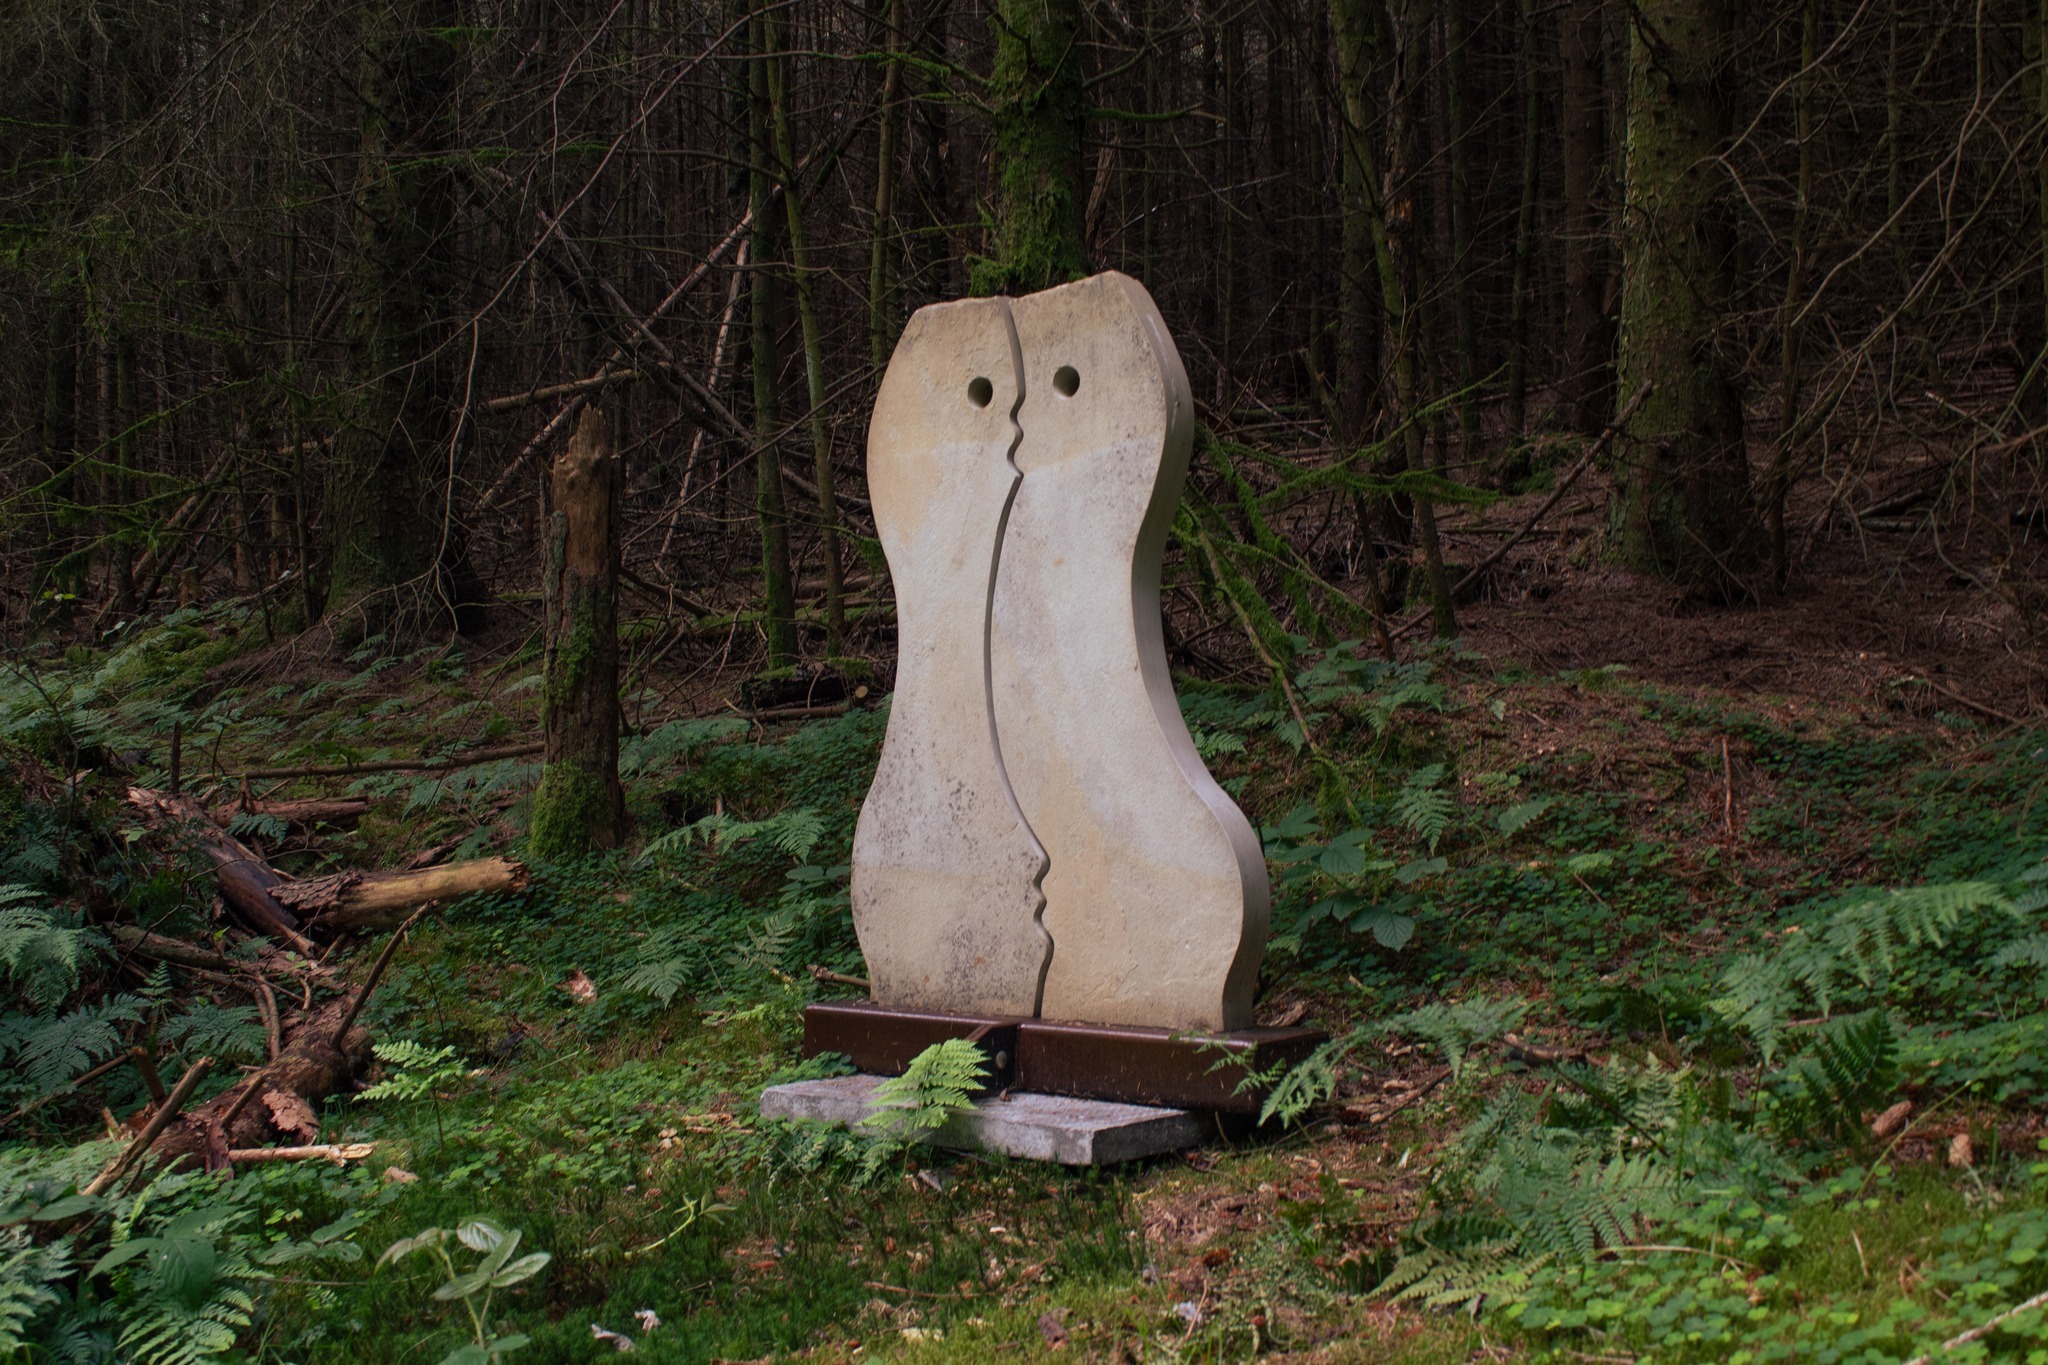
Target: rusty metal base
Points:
x,y
1228,1073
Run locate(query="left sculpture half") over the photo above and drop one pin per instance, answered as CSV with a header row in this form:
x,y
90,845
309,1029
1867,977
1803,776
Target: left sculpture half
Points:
x,y
946,897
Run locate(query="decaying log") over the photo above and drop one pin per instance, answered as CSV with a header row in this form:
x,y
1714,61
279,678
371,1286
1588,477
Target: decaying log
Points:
x,y
402,765
309,1069
146,1139
302,814
358,901
247,883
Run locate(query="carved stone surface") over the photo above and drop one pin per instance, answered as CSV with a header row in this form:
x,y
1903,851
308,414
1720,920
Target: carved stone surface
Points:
x,y
1156,896
945,869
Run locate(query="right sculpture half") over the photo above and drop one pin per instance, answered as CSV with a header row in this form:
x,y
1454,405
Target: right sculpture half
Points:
x,y
1156,896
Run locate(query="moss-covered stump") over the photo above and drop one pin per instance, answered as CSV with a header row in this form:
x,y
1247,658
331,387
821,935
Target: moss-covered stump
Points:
x,y
578,807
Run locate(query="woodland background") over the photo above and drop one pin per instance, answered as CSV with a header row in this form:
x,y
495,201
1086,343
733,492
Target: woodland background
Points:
x,y
300,300
1610,579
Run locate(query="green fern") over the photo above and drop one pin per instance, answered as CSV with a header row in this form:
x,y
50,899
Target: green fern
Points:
x,y
940,1083
231,1032
1849,1069
38,955
1860,943
51,1052
1423,807
1456,1029
27,1274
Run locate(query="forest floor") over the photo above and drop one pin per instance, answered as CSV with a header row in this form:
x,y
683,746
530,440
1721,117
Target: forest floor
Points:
x,y
1521,879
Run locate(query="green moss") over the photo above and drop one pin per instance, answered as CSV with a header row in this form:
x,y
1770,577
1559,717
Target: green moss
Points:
x,y
568,805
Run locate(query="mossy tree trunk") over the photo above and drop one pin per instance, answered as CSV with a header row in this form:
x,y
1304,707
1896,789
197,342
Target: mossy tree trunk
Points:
x,y
1682,507
579,808
1035,98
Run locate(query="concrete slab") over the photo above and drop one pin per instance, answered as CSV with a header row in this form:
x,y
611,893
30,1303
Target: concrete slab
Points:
x,y
1037,1127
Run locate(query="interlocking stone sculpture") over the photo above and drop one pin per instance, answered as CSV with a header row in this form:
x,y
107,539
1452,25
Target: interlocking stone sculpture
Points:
x,y
1034,732
945,869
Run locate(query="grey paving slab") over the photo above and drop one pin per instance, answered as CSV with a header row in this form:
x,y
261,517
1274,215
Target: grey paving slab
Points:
x,y
1037,1127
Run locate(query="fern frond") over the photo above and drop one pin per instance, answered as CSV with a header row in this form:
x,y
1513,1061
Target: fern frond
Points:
x,y
940,1083
54,1052
1455,1029
1423,807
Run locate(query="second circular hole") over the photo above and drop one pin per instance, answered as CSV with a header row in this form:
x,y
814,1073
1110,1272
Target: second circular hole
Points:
x,y
1067,380
980,392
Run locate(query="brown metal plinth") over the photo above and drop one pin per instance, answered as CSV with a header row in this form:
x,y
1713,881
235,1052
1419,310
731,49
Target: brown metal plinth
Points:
x,y
1091,1061
1158,1066
881,1041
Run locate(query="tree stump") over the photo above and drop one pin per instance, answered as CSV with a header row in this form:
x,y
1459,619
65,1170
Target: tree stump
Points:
x,y
578,807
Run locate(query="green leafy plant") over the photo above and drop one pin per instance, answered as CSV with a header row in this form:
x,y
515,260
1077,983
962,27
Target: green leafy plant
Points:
x,y
494,1270
418,1072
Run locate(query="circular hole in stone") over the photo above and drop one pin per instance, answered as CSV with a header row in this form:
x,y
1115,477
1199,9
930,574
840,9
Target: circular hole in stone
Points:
x,y
1067,380
980,392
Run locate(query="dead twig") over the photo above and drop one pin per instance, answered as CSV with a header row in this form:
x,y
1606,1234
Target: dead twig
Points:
x,y
376,973
841,979
158,1121
336,1152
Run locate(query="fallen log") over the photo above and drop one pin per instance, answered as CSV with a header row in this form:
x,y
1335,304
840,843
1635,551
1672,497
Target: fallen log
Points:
x,y
358,901
402,765
247,883
310,1068
302,814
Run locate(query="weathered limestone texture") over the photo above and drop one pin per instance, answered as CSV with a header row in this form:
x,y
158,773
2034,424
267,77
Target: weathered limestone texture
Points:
x,y
1156,897
945,868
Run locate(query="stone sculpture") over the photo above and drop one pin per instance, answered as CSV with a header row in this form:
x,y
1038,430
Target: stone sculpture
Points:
x,y
945,882
1025,461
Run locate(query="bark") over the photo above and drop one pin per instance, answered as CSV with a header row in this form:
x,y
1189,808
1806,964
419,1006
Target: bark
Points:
x,y
1585,386
1362,231
814,341
1525,228
360,902
579,807
387,561
247,884
1681,508
1035,102
1791,332
778,589
302,814
308,1071
888,143
1463,306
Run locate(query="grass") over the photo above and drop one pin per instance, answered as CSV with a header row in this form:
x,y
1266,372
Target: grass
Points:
x,y
618,1134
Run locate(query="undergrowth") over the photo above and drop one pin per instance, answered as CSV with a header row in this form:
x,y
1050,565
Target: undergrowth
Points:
x,y
1686,1170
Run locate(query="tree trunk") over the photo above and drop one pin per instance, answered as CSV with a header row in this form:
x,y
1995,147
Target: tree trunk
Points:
x,y
1035,101
1463,308
1682,507
888,141
1584,386
1525,229
391,451
814,341
1362,231
778,589
1791,332
578,807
